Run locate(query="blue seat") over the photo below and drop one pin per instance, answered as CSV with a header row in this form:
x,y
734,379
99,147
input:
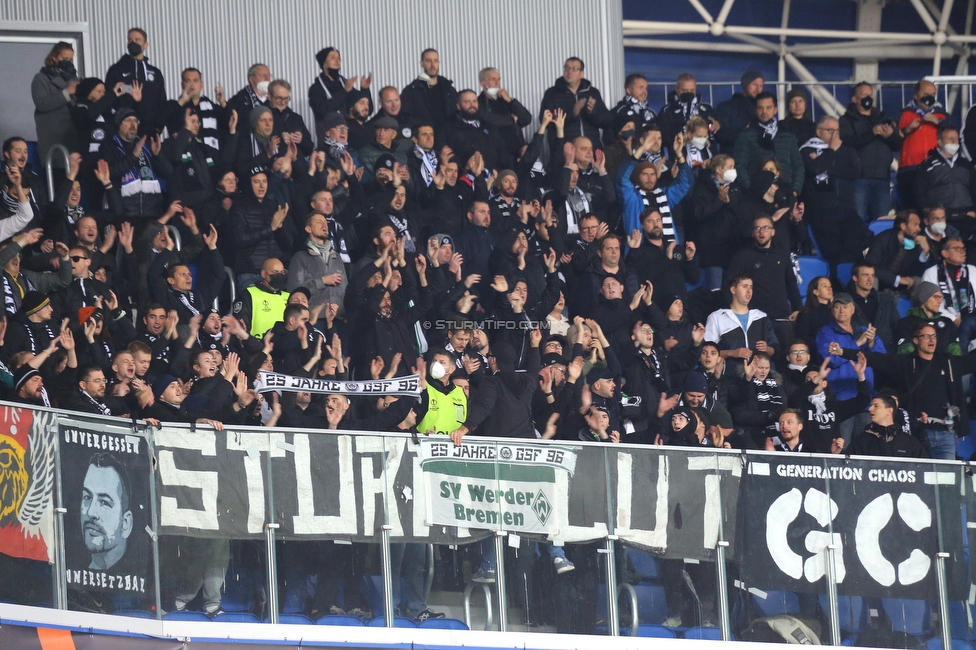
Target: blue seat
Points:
x,y
655,631
701,280
705,633
340,619
399,621
966,446
904,304
184,615
652,605
909,616
777,602
811,267
238,592
844,273
443,624
236,617
645,564
852,615
294,619
935,643
880,225
134,613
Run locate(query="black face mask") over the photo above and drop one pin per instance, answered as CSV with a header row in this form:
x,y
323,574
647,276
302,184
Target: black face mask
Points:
x,y
134,49
627,134
67,66
928,101
278,281
687,98
867,102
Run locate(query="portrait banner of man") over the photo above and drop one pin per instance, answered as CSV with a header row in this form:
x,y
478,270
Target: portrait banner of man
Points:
x,y
105,490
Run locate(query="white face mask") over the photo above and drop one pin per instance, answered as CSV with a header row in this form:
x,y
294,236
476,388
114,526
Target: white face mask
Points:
x,y
437,370
938,228
492,92
263,87
950,149
699,143
729,175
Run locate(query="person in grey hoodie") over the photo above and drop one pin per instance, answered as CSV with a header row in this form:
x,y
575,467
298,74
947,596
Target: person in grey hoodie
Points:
x,y
319,268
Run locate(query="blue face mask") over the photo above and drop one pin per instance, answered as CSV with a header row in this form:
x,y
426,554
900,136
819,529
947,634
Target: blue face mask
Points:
x,y
909,244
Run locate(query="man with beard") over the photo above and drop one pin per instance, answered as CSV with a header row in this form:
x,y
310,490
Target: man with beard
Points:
x,y
359,106
666,265
820,412
764,139
90,397
106,519
466,132
504,202
319,268
136,168
430,97
262,304
637,183
390,206
303,414
737,112
261,230
19,177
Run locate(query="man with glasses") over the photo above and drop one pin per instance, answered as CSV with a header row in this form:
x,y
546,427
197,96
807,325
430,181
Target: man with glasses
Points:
x,y
828,193
927,301
931,385
288,125
797,360
773,282
957,282
936,230
582,103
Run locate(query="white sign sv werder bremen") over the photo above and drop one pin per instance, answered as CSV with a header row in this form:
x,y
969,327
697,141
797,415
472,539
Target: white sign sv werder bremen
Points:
x,y
523,489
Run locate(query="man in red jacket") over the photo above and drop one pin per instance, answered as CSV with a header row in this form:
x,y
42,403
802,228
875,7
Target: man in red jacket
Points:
x,y
919,124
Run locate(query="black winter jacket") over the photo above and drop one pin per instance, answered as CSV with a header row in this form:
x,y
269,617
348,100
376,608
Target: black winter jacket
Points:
x,y
587,123
875,152
255,242
774,283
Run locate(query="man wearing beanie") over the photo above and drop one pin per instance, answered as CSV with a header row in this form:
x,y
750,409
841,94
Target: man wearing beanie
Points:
x,y
30,329
331,90
256,145
136,168
502,111
736,113
926,310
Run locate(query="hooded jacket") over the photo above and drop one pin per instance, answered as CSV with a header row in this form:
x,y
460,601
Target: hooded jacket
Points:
x,y
423,103
774,284
307,268
501,407
126,69
950,182
875,152
253,238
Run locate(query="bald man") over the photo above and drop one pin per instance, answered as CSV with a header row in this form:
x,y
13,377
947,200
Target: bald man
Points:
x,y
263,304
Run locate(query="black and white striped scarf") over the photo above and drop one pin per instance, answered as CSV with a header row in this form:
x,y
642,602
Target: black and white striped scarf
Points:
x,y
10,285
34,347
959,293
577,205
769,132
660,202
428,164
102,408
334,149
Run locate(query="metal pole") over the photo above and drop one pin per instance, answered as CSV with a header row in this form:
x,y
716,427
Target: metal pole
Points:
x,y
272,567
612,606
940,575
60,581
49,168
154,513
388,610
500,580
832,602
724,620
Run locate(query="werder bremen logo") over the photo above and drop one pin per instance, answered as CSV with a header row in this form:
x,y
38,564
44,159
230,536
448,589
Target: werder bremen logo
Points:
x,y
542,508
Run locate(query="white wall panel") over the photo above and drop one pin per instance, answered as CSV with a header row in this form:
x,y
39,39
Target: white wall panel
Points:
x,y
528,40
